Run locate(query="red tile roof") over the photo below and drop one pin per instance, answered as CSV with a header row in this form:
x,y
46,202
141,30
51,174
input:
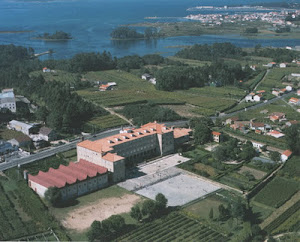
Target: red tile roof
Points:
x,y
112,157
106,144
67,174
287,153
181,133
216,133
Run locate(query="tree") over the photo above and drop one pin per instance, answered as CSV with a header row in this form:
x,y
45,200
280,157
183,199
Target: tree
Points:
x,y
218,122
211,214
53,195
275,156
238,210
223,213
248,152
136,213
95,231
293,138
161,202
149,208
202,134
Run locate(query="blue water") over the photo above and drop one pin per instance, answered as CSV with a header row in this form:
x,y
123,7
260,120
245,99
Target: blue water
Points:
x,y
91,21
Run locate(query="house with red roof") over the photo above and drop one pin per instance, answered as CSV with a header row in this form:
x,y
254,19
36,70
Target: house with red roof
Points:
x,y
217,136
295,101
286,155
73,180
276,134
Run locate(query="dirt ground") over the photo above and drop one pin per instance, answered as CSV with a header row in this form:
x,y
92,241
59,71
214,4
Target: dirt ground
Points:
x,y
81,218
256,173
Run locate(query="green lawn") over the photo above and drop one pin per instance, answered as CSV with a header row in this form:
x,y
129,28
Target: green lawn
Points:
x,y
132,89
60,76
8,134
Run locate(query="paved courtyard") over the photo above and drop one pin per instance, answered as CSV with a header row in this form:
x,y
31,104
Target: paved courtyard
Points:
x,y
161,176
179,189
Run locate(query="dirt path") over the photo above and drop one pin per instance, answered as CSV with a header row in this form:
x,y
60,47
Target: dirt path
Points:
x,y
111,111
80,219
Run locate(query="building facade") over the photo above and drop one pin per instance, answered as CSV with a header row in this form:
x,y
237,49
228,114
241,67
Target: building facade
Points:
x,y
131,146
7,100
74,180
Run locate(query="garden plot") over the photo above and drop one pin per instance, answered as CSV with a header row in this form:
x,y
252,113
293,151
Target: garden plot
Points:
x,y
179,189
256,173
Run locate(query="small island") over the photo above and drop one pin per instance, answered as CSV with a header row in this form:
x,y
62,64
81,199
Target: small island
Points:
x,y
57,36
126,33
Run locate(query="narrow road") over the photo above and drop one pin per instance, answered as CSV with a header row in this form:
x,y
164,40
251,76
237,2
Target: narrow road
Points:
x,y
264,77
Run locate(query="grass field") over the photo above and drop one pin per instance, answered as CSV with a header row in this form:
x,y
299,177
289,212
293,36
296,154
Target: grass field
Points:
x,y
8,134
60,76
277,192
174,227
256,173
132,89
201,209
291,168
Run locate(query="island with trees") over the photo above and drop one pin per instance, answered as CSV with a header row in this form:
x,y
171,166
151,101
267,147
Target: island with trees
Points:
x,y
126,33
57,36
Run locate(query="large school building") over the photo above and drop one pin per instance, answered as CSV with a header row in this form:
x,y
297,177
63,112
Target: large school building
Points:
x,y
111,155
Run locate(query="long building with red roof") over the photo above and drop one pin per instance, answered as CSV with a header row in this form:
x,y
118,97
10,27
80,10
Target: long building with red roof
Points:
x,y
73,180
131,146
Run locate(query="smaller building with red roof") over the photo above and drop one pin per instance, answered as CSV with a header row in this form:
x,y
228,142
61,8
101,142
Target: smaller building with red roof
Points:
x,y
286,155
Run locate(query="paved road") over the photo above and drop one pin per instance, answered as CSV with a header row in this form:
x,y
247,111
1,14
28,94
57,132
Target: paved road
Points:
x,y
255,106
54,150
72,145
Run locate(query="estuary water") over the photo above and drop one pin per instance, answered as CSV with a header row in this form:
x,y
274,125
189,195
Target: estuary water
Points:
x,y
90,22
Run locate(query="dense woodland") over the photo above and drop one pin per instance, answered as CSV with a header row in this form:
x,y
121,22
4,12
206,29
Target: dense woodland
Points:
x,y
58,35
130,33
144,113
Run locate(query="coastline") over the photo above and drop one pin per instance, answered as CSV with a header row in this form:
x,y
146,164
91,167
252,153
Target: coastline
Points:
x,y
16,31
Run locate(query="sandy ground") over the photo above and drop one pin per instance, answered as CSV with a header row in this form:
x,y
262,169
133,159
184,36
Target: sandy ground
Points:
x,y
82,218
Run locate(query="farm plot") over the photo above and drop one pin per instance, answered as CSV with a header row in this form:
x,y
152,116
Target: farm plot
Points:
x,y
256,173
175,227
277,192
132,89
104,122
179,189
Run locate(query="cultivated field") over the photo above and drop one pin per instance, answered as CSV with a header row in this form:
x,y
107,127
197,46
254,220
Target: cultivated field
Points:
x,y
132,89
179,189
104,122
277,192
174,227
256,173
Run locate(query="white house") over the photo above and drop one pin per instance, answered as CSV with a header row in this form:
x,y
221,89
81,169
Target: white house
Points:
x,y
146,76
257,145
153,81
249,98
276,93
45,69
286,155
257,98
7,100
298,92
282,65
289,88
22,127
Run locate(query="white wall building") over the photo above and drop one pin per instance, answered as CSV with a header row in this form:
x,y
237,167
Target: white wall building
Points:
x,y
7,100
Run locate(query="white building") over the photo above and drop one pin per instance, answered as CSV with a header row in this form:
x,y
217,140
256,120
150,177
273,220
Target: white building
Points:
x,y
289,88
286,155
22,127
7,100
146,76
282,65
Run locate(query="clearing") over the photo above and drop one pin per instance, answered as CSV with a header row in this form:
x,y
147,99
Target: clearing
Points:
x,y
81,218
256,173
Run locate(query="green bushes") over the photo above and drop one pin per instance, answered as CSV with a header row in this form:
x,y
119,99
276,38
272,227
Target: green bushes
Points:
x,y
277,192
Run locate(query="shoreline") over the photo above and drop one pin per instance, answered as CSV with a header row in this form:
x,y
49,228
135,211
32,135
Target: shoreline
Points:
x,y
16,31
